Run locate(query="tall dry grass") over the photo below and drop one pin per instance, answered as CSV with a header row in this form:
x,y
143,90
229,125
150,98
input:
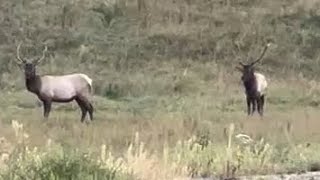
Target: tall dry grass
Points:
x,y
195,157
165,69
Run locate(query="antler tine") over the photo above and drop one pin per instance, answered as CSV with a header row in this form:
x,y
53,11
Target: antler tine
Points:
x,y
261,56
43,56
241,63
238,59
18,54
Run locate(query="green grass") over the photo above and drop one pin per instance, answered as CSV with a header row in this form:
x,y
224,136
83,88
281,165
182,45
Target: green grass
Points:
x,y
166,71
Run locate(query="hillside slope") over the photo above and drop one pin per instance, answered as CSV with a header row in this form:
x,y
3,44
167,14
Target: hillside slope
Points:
x,y
165,84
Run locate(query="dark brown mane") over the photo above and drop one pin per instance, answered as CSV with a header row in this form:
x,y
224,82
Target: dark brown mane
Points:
x,y
33,84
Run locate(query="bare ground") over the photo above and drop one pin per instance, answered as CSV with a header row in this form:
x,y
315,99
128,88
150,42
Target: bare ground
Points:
x,y
300,176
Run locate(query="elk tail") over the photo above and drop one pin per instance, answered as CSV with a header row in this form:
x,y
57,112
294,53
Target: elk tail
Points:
x,y
89,81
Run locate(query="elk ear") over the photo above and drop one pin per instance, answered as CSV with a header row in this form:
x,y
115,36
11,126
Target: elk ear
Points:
x,y
239,68
242,64
35,62
20,65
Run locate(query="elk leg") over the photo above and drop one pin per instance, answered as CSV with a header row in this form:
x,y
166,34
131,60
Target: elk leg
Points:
x,y
90,109
83,109
259,105
46,109
262,104
248,105
254,105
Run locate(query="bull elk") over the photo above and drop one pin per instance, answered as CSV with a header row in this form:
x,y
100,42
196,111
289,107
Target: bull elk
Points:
x,y
60,89
255,85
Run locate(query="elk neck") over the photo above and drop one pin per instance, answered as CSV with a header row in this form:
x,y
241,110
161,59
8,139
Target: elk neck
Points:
x,y
250,83
33,84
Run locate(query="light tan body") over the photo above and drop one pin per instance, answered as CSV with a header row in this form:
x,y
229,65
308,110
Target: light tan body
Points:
x,y
66,87
262,83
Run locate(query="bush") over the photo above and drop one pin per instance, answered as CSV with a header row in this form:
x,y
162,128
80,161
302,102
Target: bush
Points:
x,y
59,164
56,162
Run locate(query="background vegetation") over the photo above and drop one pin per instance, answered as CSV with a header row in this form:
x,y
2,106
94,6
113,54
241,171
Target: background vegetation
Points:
x,y
165,88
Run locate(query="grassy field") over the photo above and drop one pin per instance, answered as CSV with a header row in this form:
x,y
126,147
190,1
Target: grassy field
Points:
x,y
166,90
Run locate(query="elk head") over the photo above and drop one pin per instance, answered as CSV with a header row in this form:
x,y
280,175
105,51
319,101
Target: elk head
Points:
x,y
248,69
29,65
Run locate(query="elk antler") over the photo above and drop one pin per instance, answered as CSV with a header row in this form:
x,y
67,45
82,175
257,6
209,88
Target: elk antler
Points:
x,y
238,59
18,55
261,56
42,57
